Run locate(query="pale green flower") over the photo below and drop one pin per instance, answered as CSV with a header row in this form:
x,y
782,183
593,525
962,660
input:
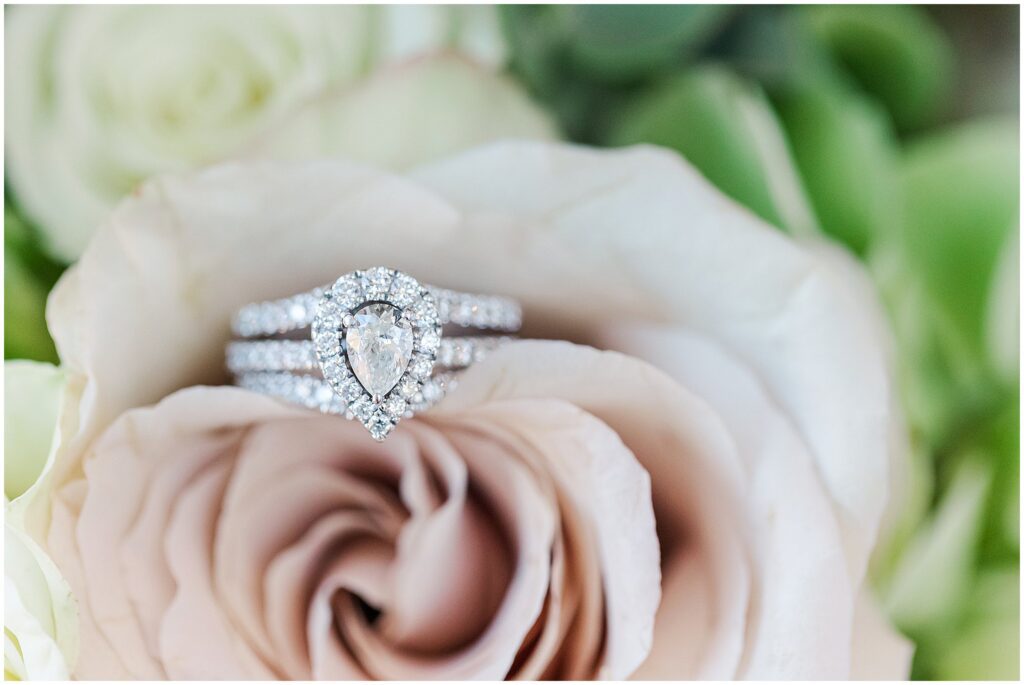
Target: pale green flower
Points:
x,y
725,126
987,647
32,394
846,153
934,575
949,272
954,588
40,617
1002,313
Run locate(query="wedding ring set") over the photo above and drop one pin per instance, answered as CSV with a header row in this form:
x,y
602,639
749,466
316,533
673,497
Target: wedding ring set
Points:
x,y
370,347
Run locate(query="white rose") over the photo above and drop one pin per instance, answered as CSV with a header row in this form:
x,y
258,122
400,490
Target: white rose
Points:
x,y
408,114
40,618
100,98
768,444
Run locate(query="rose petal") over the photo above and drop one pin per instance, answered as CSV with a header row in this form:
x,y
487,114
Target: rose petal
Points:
x,y
196,641
643,225
39,612
611,493
404,115
362,564
879,651
691,452
794,545
178,527
86,533
31,403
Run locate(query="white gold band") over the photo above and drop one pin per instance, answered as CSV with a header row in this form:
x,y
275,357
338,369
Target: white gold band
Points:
x,y
244,356
275,317
316,393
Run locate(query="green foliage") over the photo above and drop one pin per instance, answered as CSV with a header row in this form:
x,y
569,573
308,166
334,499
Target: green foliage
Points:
x,y
997,441
585,61
955,591
28,277
895,52
614,44
847,155
724,125
619,43
937,270
961,188
960,198
986,646
777,48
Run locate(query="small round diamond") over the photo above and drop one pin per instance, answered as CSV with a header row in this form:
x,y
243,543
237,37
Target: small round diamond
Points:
x,y
362,408
424,313
304,388
325,329
379,426
323,395
394,406
327,343
408,387
376,283
421,366
430,340
443,308
446,355
327,320
404,289
297,311
351,390
334,369
432,392
463,355
347,291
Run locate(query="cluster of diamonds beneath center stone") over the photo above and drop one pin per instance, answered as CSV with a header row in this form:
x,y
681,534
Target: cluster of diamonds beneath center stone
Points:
x,y
314,393
377,334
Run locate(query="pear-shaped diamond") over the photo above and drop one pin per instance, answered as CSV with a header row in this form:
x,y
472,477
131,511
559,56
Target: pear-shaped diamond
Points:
x,y
379,347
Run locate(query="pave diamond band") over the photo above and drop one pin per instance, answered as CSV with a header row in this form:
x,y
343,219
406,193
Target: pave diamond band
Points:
x,y
245,356
376,350
274,317
316,393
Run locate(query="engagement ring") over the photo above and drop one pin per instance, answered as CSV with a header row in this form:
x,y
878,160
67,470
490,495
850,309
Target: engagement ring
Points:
x,y
375,351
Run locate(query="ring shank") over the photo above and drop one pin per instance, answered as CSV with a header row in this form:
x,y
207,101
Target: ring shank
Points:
x,y
316,393
244,356
276,317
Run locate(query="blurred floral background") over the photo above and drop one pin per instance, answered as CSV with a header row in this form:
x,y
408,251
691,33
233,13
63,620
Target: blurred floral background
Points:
x,y
892,130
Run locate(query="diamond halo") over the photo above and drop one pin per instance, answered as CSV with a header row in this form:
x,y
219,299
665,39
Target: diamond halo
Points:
x,y
376,334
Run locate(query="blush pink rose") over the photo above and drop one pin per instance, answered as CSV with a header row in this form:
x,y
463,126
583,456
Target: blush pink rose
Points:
x,y
565,513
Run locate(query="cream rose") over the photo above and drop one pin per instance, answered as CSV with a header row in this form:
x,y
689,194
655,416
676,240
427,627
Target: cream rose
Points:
x,y
99,98
509,531
40,615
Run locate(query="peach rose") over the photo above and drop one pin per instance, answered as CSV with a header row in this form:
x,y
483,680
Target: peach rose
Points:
x,y
521,528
